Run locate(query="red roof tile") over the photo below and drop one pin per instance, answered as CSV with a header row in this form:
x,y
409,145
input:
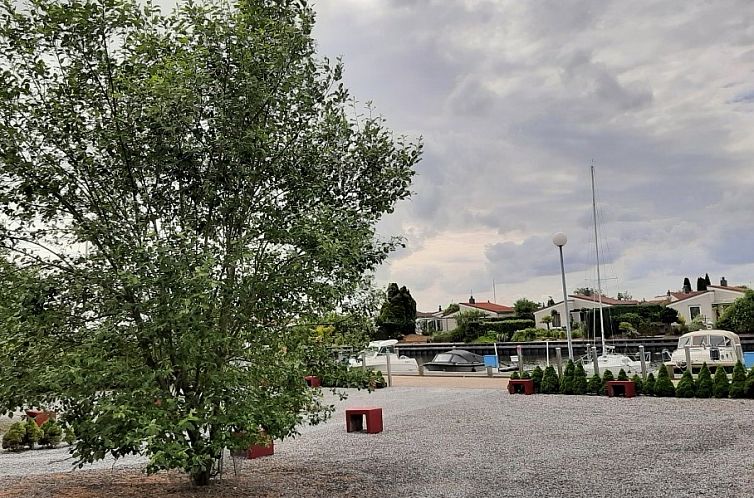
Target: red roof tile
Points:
x,y
680,296
495,308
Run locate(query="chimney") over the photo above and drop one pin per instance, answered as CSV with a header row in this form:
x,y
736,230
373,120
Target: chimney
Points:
x,y
471,299
723,282
668,292
439,307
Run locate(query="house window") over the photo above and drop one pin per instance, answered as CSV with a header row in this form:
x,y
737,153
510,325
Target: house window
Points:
x,y
555,319
695,311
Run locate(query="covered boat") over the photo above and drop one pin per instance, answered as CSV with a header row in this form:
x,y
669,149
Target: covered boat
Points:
x,y
456,360
716,348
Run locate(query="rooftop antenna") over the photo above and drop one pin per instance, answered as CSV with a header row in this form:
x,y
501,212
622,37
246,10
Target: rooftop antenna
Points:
x,y
494,294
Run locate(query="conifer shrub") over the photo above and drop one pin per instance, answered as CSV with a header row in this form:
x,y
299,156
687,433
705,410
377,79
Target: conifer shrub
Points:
x,y
536,376
52,434
515,375
525,375
579,380
738,384
638,383
566,383
550,382
664,386
721,386
595,384
32,433
704,384
70,435
649,385
607,377
622,375
685,388
14,439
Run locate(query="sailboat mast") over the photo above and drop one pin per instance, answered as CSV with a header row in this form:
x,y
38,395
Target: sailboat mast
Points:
x,y
599,277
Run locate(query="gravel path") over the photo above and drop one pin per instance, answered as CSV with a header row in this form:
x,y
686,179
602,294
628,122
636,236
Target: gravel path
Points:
x,y
484,442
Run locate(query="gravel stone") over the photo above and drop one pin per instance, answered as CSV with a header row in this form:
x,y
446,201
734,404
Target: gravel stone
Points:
x,y
442,442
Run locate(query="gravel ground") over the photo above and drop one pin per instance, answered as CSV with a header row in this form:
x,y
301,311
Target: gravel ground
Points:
x,y
465,442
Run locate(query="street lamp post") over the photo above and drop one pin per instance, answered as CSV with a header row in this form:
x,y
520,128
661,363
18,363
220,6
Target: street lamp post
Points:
x,y
560,239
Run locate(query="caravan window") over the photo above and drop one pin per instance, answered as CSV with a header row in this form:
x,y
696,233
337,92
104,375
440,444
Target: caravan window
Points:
x,y
683,341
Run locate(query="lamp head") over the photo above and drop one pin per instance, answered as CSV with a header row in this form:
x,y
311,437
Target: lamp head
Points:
x,y
559,239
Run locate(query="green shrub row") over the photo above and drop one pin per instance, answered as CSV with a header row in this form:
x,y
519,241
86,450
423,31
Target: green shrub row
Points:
x,y
27,434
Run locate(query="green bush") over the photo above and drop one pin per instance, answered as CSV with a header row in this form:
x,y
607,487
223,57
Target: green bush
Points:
x,y
525,375
507,327
664,386
52,434
595,384
622,375
704,384
638,383
525,335
649,385
721,386
70,435
33,433
738,384
14,439
536,376
550,382
566,382
579,380
515,375
354,378
606,377
685,387
487,339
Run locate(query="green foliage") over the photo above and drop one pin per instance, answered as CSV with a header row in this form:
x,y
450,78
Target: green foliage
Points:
x,y
225,185
14,439
70,435
505,327
525,308
398,314
354,378
664,386
739,316
639,383
525,375
645,318
704,384
536,376
649,385
622,375
32,433
52,434
738,384
686,387
442,337
515,375
606,377
595,384
550,383
452,308
566,382
533,334
721,385
579,380
468,326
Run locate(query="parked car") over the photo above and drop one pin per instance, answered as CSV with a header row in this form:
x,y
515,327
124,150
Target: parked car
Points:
x,y
456,360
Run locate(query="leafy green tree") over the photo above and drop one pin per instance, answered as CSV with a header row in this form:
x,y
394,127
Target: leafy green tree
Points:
x,y
468,326
536,376
186,186
579,380
398,314
547,320
566,381
721,387
515,375
685,387
668,316
649,385
704,384
550,383
663,387
738,384
452,308
739,316
525,308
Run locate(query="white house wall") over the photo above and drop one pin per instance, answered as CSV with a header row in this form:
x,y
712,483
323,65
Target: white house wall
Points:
x,y
704,301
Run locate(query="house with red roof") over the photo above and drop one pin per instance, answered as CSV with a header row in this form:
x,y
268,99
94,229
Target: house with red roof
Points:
x,y
577,305
708,304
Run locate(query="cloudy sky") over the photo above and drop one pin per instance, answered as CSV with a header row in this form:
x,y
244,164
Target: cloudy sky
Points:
x,y
515,99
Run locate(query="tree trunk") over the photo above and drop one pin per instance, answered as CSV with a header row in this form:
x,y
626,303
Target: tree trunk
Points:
x,y
201,477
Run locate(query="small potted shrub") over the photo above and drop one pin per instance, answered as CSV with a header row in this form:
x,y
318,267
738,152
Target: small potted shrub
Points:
x,y
664,386
649,385
607,377
738,384
595,384
579,380
638,383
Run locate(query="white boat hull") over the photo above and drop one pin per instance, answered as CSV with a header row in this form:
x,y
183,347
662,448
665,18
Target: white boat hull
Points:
x,y
397,365
613,362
